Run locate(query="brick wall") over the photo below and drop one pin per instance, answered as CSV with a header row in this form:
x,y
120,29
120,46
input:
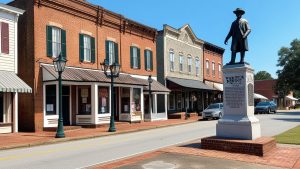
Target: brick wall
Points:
x,y
265,88
217,58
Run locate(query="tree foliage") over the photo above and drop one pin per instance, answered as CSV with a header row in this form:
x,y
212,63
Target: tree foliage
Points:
x,y
262,75
289,72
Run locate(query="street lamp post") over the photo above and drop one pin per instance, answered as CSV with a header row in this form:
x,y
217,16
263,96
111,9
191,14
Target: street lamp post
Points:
x,y
114,71
150,80
59,65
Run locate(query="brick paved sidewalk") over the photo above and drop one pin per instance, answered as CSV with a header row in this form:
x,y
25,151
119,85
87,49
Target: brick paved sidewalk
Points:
x,y
22,139
283,156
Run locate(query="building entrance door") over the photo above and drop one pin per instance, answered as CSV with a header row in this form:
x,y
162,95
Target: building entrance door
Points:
x,y
66,105
1,108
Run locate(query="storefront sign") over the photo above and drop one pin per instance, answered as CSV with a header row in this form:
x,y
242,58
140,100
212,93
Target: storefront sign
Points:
x,y
84,92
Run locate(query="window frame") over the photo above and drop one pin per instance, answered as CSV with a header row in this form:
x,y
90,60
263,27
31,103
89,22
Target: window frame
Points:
x,y
207,67
85,48
111,52
213,69
181,63
220,70
173,101
148,59
172,60
197,66
189,63
135,58
59,44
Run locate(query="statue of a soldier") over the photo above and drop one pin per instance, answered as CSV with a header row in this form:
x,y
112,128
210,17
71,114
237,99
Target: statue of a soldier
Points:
x,y
239,31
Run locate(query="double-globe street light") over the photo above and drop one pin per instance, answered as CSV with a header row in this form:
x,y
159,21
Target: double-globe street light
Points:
x,y
59,65
111,71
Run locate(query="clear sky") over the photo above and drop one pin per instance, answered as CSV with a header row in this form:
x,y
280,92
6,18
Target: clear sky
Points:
x,y
274,23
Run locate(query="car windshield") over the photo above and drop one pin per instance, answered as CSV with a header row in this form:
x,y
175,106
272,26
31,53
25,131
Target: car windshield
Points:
x,y
263,104
213,106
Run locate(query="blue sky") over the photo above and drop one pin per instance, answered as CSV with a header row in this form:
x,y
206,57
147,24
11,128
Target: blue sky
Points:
x,y
274,23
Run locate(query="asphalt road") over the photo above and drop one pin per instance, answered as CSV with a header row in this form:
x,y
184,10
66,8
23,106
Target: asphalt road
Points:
x,y
84,153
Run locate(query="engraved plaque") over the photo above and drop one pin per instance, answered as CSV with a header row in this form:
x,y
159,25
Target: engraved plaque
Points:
x,y
250,94
235,97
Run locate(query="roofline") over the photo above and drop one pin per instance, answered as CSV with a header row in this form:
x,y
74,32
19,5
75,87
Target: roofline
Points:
x,y
11,9
215,46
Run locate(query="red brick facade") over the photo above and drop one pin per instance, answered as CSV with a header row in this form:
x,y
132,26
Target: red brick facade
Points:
x,y
212,54
265,88
75,17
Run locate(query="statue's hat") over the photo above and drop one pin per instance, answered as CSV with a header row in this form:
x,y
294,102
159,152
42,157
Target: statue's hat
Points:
x,y
239,10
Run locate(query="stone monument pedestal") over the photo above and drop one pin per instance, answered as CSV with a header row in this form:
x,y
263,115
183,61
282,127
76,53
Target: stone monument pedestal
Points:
x,y
238,120
239,130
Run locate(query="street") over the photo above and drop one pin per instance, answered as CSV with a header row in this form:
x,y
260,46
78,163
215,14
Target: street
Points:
x,y
84,153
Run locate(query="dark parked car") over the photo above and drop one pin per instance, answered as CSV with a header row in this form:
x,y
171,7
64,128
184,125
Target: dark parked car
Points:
x,y
265,107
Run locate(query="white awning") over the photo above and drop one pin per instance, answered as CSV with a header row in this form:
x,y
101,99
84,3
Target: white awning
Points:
x,y
10,82
259,96
217,86
291,98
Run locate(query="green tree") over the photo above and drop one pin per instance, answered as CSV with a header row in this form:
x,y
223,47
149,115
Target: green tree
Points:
x,y
262,75
289,72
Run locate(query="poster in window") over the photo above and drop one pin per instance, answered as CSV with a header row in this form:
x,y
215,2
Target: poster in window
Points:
x,y
50,107
88,108
84,92
126,108
84,100
103,101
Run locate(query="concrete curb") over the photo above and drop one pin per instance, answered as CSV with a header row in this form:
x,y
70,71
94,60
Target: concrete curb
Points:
x,y
61,140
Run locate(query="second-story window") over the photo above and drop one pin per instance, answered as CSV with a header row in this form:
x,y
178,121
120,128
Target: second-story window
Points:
x,y
197,66
56,42
4,37
190,64
213,69
220,70
112,52
87,48
148,60
171,53
207,67
135,60
180,63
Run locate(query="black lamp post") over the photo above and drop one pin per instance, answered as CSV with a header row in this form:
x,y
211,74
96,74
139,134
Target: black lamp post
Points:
x,y
150,80
59,65
111,71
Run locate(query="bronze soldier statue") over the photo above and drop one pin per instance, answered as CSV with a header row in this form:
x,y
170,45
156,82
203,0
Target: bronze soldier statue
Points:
x,y
239,31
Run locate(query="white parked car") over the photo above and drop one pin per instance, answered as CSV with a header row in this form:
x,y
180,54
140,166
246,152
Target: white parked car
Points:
x,y
214,111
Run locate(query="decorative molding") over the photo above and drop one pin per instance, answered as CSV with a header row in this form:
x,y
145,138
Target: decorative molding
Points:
x,y
111,39
135,45
55,24
147,48
86,32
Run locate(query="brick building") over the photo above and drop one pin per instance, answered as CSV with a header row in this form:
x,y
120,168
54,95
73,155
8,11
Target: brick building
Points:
x,y
212,72
85,34
180,68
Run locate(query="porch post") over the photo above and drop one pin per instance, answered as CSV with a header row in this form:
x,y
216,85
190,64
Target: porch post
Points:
x,y
94,103
166,110
142,103
15,112
154,104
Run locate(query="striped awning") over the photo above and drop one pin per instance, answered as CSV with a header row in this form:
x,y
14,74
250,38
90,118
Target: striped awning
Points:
x,y
10,82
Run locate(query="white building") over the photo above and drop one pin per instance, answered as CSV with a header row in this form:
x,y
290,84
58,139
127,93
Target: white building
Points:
x,y
10,83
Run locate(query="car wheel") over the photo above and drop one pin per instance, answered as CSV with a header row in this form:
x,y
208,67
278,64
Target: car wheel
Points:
x,y
220,115
205,118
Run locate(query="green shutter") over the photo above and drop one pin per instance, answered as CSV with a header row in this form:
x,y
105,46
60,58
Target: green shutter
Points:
x,y
116,53
81,48
63,44
151,60
131,56
93,50
107,51
49,41
145,59
139,57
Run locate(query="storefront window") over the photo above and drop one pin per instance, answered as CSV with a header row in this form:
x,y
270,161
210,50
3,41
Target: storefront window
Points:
x,y
84,100
172,101
125,100
179,101
51,100
103,101
136,106
1,108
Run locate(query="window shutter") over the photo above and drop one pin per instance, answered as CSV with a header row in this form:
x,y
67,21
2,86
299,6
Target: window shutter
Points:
x,y
49,41
107,51
93,59
145,59
116,52
131,56
63,44
4,38
81,48
151,60
139,57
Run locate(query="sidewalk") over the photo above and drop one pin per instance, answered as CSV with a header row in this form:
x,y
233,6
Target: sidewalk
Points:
x,y
191,156
22,139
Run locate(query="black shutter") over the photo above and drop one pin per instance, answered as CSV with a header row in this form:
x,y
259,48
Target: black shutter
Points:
x,y
131,56
93,59
116,53
151,60
49,41
107,51
145,59
63,44
139,57
81,48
